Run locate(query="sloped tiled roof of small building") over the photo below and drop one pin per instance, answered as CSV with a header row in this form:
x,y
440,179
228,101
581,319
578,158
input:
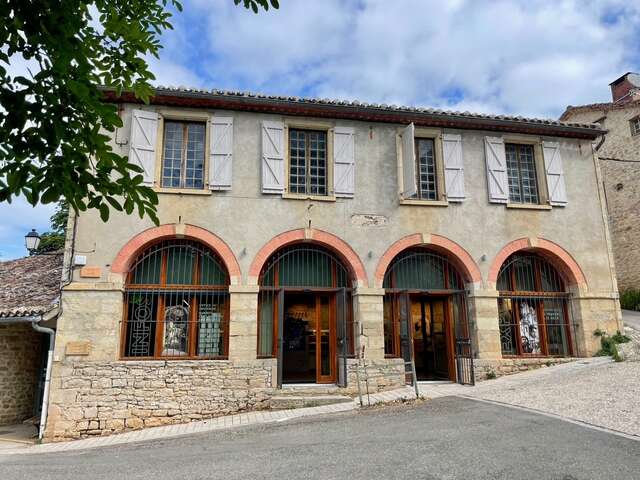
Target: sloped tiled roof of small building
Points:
x,y
31,285
603,107
352,109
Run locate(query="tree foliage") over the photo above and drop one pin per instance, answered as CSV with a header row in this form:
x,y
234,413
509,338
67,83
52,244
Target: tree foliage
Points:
x,y
54,125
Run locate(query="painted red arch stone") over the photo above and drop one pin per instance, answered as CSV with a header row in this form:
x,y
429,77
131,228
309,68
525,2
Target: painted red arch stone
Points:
x,y
128,253
458,255
340,247
558,256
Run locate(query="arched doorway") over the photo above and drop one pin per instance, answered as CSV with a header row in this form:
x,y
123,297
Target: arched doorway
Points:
x,y
176,303
533,308
305,315
425,316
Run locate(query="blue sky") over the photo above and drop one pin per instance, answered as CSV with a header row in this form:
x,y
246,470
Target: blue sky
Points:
x,y
514,57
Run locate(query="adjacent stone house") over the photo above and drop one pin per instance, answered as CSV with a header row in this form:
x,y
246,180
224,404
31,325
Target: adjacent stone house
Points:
x,y
29,300
619,158
301,239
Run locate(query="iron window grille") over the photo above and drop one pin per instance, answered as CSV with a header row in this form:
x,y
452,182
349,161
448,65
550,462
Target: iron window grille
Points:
x,y
308,162
426,170
533,308
521,173
299,268
416,271
412,276
183,156
176,303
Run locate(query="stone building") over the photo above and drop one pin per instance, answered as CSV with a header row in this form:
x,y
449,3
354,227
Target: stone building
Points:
x,y
619,158
301,239
29,299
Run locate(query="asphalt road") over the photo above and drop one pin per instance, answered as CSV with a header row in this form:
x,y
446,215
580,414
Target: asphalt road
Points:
x,y
446,438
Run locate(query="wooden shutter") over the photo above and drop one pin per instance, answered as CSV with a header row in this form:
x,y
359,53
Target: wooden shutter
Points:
x,y
142,151
273,157
409,185
453,167
497,181
221,153
555,173
343,161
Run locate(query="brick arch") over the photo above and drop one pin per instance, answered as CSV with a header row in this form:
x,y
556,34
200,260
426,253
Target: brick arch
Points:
x,y
554,253
337,245
458,255
129,252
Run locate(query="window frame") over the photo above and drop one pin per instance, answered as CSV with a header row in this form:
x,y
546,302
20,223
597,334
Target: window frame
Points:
x,y
538,295
184,116
634,125
162,289
435,135
541,177
309,125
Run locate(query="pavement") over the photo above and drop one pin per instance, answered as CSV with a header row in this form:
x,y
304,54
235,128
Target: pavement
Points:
x,y
595,392
445,438
631,319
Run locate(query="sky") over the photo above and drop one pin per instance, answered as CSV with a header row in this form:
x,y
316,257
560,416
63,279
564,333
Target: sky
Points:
x,y
530,58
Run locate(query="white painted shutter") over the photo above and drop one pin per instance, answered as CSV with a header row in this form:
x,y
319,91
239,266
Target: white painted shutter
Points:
x,y
221,153
497,181
555,173
343,162
409,186
453,167
272,157
142,151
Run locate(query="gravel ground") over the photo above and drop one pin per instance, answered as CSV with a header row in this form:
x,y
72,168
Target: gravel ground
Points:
x,y
603,394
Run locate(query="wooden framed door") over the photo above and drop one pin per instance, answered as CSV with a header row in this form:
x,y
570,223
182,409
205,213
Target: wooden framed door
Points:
x,y
433,337
326,357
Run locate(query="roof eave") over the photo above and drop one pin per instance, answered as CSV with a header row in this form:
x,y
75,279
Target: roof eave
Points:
x,y
352,112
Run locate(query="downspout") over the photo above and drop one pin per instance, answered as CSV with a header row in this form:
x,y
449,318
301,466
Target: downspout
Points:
x,y
47,380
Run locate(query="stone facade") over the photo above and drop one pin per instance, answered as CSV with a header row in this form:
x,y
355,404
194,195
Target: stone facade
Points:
x,y
619,158
20,349
95,392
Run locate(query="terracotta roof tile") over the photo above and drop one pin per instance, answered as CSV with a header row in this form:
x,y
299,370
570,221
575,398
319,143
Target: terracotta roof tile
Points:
x,y
30,285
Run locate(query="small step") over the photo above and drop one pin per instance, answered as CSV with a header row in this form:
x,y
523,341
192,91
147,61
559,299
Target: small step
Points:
x,y
286,402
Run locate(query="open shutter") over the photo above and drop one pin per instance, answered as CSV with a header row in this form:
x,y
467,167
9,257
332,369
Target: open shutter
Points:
x,y
142,151
555,173
221,153
453,167
343,161
496,170
409,185
272,157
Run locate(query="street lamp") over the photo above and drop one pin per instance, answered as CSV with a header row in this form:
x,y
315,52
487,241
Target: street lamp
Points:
x,y
32,240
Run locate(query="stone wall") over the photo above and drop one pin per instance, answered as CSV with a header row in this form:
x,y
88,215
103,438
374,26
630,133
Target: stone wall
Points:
x,y
489,369
620,165
382,375
101,398
106,397
19,362
622,186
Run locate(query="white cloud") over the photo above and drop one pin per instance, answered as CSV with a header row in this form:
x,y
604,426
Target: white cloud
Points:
x,y
530,58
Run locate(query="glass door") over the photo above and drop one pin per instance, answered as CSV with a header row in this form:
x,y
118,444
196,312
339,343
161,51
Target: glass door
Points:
x,y
326,339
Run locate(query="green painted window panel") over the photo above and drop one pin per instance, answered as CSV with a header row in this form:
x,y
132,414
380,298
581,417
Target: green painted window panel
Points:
x,y
147,270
